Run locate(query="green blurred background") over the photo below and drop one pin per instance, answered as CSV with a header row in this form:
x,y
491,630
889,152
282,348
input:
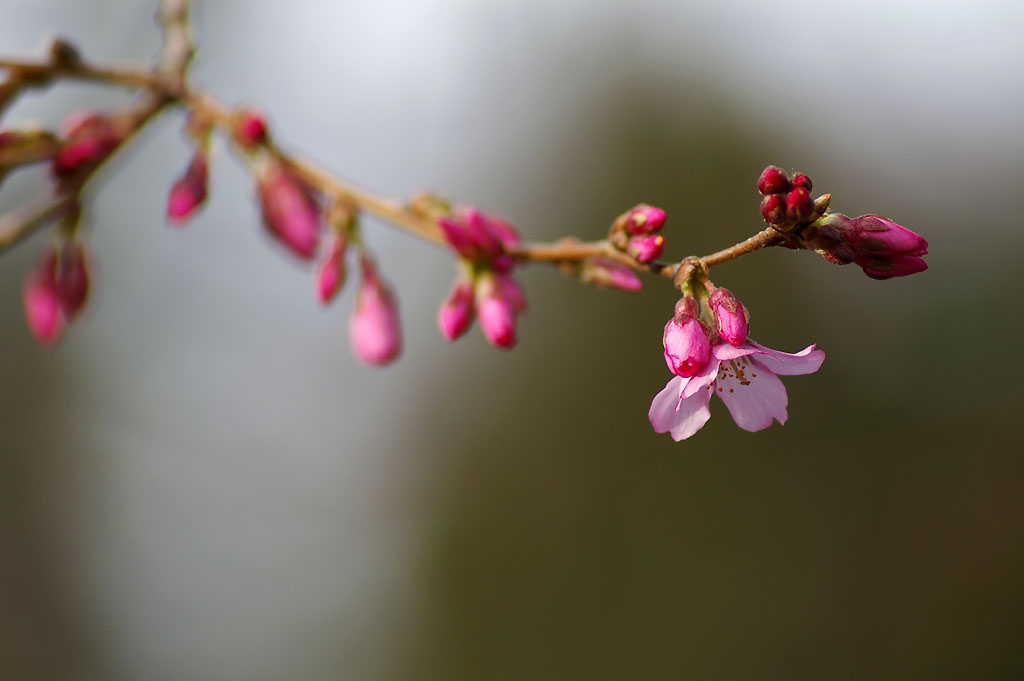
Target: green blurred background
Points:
x,y
200,483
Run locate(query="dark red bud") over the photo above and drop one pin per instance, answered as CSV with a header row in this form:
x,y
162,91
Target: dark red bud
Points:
x,y
799,205
802,181
773,209
773,180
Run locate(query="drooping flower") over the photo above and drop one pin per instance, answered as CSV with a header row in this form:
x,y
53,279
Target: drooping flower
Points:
x,y
744,377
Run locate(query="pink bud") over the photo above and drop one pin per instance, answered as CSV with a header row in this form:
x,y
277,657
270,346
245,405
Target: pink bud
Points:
x,y
510,289
330,275
89,139
289,210
799,205
610,274
497,314
41,298
250,129
72,279
773,180
773,209
687,346
189,192
373,328
646,248
882,248
730,317
644,219
458,238
456,313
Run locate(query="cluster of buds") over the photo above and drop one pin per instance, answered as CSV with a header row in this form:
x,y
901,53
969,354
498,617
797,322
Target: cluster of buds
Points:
x,y
635,232
787,201
55,290
88,139
485,287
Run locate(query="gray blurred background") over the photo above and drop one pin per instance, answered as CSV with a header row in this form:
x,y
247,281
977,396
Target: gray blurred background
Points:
x,y
200,483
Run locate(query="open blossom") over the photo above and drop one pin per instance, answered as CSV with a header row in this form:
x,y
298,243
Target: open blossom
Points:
x,y
744,377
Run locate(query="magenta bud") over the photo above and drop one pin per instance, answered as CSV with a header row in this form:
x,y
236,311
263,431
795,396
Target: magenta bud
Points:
x,y
730,317
687,346
610,274
686,307
773,180
88,140
644,219
458,238
497,314
373,328
250,129
801,181
882,248
289,210
773,209
42,301
510,289
189,192
646,248
456,313
72,279
799,205
330,275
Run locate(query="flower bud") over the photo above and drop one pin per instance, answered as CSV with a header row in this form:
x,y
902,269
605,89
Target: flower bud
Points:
x,y
799,205
730,317
189,192
41,297
72,279
773,180
801,181
458,238
687,346
882,248
289,210
644,219
609,274
773,209
374,327
510,289
89,139
496,313
250,129
330,275
646,248
456,313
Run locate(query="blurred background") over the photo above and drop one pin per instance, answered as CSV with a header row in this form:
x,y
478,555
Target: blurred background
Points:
x,y
201,483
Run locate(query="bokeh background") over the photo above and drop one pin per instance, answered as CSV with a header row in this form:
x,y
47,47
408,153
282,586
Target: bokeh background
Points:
x,y
201,483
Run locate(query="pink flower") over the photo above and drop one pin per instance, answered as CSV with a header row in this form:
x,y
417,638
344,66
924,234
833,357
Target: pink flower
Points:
x,y
745,377
373,327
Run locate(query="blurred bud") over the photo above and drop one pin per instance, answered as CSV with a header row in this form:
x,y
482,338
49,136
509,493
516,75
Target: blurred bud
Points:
x,y
458,238
773,180
289,210
88,140
72,279
374,326
773,209
610,274
799,205
730,317
330,275
644,219
42,301
496,313
250,129
510,290
646,248
687,346
456,313
189,192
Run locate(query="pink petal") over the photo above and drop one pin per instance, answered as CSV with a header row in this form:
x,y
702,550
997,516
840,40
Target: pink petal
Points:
x,y
807,361
725,351
681,418
698,381
753,394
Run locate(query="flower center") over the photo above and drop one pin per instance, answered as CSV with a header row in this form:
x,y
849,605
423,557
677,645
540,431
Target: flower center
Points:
x,y
734,372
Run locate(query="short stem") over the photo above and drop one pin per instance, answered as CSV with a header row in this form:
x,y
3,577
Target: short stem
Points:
x,y
768,237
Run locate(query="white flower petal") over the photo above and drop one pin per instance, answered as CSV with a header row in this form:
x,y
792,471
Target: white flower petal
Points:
x,y
753,394
663,408
698,381
723,351
691,416
682,418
